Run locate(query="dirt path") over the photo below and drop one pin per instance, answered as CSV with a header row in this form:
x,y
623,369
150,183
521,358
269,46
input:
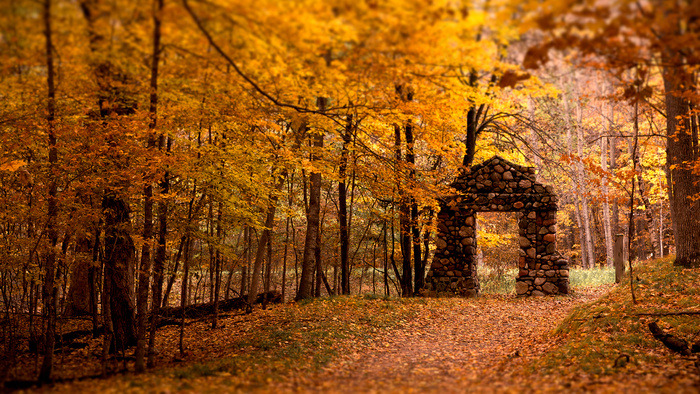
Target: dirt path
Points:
x,y
463,345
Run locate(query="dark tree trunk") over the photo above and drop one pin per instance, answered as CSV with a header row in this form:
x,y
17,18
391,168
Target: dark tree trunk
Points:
x,y
415,229
173,275
119,256
145,271
262,243
404,214
343,211
50,290
158,266
683,185
217,267
472,122
312,217
246,258
471,138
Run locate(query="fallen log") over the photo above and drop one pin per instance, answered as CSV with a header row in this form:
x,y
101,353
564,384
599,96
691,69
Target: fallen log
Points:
x,y
170,316
678,345
200,310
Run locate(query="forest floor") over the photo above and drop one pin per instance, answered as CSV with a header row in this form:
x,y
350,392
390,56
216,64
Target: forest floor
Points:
x,y
594,340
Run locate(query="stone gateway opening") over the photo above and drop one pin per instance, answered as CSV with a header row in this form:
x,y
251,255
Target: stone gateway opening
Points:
x,y
497,185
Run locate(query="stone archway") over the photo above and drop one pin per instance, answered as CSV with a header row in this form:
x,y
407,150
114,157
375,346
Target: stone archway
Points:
x,y
497,185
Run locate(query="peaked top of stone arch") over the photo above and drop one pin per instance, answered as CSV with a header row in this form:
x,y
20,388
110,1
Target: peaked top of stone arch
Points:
x,y
499,176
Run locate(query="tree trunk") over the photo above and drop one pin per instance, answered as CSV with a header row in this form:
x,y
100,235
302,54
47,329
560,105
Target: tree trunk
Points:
x,y
404,215
615,209
313,217
606,205
159,264
50,291
184,294
262,243
268,273
470,142
683,184
246,257
419,276
342,210
585,211
284,259
173,274
217,267
119,256
145,271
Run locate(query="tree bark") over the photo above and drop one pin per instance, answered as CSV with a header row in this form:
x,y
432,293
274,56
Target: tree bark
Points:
x,y
145,271
419,274
585,211
683,184
404,215
217,266
159,263
342,210
606,198
262,243
119,256
313,217
50,291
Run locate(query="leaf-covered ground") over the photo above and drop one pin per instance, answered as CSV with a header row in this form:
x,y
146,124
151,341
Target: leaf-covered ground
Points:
x,y
595,340
455,345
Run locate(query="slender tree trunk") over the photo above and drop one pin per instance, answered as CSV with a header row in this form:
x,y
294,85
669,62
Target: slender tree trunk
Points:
x,y
107,322
50,290
244,269
404,218
313,217
268,273
470,142
144,273
159,264
173,274
585,210
615,209
386,262
262,243
419,276
93,275
606,205
217,267
318,261
284,259
184,295
342,210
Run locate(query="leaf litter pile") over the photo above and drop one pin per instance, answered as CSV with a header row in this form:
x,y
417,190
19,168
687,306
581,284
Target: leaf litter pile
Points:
x,y
595,340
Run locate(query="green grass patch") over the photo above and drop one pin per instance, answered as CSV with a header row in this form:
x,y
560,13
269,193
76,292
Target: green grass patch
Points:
x,y
493,281
598,336
591,277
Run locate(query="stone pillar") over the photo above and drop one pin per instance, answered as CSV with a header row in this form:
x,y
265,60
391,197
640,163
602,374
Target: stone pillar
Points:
x,y
453,270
